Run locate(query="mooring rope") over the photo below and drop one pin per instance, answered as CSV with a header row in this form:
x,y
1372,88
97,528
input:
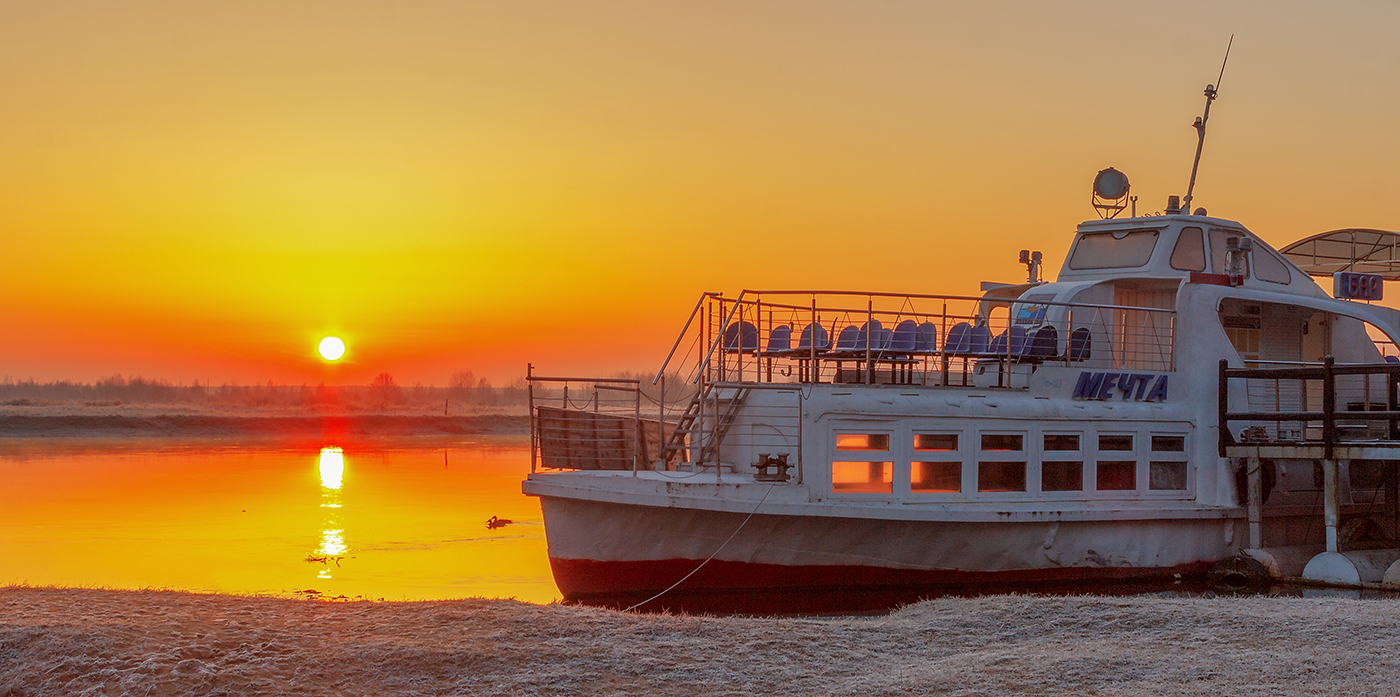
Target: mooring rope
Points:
x,y
712,556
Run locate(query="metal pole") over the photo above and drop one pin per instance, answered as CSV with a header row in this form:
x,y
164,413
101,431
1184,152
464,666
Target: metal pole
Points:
x,y
1256,503
815,375
661,427
1329,478
714,439
869,329
530,389
637,433
1329,407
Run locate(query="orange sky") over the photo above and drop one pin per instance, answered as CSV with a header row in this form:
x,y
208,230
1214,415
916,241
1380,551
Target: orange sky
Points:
x,y
203,190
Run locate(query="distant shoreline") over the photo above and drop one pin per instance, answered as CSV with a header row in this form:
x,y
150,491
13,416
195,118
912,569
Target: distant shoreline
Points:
x,y
344,427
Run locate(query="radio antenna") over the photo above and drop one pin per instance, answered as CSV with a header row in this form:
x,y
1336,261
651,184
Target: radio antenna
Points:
x,y
1200,125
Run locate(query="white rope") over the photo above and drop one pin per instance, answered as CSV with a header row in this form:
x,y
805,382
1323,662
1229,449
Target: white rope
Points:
x,y
712,556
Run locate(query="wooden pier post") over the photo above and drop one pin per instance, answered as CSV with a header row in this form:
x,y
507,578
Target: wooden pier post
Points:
x,y
1256,503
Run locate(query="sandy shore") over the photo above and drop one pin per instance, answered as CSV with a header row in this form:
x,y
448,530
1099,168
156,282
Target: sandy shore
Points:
x,y
96,642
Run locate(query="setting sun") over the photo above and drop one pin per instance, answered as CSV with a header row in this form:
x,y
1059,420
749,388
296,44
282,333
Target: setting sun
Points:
x,y
331,348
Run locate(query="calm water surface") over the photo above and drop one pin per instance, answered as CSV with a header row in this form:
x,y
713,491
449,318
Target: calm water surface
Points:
x,y
378,522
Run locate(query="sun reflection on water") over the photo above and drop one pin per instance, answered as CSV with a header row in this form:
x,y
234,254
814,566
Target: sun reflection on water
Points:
x,y
332,467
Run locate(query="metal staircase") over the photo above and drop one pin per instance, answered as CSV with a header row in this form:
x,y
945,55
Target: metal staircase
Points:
x,y
691,428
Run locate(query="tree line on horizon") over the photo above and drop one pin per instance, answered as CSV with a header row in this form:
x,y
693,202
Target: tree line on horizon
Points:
x,y
464,389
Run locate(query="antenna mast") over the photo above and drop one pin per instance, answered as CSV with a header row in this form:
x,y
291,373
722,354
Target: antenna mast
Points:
x,y
1200,125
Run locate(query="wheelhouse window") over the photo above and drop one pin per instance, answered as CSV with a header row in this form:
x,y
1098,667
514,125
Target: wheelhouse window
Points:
x,y
1219,242
1113,250
1190,251
1268,267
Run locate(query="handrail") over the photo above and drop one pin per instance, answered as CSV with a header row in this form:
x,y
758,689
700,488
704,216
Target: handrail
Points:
x,y
1329,415
680,337
705,362
918,296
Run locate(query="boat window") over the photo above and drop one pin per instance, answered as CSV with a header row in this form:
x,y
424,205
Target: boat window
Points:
x,y
1061,441
1116,442
1001,441
1217,252
1268,267
1062,476
1113,250
862,477
1001,476
935,441
862,441
1166,476
1169,444
1117,475
935,477
1190,251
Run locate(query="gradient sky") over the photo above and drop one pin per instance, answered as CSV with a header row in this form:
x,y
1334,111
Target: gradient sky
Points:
x,y
203,190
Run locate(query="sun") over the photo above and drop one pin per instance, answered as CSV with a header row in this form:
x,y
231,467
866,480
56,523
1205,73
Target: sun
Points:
x,y
331,348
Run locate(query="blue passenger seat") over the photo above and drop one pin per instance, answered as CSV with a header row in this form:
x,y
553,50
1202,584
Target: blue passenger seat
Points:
x,y
1080,341
926,338
779,340
741,337
1045,342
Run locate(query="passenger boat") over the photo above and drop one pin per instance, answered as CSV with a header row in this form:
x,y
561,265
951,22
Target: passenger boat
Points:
x,y
851,450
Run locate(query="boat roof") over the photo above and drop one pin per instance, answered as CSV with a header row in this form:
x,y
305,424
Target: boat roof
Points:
x,y
1154,258
1363,250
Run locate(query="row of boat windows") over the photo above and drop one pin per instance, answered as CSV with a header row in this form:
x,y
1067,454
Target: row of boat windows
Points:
x,y
936,466
1009,442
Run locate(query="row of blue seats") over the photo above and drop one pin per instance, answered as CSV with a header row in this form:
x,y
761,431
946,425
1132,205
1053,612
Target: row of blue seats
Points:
x,y
910,338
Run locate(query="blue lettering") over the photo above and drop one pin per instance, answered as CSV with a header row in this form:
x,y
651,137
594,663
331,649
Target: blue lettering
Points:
x,y
1108,380
1143,382
1088,387
1125,384
1159,391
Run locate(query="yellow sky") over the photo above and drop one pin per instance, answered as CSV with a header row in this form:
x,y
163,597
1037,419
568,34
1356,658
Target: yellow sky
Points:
x,y
203,190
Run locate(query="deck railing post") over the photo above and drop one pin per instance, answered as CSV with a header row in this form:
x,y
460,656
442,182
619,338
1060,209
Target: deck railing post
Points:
x,y
638,433
1329,408
661,426
869,329
1256,503
1224,406
812,372
530,391
1329,483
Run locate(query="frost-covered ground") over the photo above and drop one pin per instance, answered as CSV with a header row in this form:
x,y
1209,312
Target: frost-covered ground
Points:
x,y
96,642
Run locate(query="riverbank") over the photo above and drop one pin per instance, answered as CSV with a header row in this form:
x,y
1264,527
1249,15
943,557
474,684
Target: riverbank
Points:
x,y
257,426
72,641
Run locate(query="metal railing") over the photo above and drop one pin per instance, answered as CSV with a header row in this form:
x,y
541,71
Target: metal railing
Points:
x,y
1326,425
886,338
597,423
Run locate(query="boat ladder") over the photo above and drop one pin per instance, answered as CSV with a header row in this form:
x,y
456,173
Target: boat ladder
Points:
x,y
698,421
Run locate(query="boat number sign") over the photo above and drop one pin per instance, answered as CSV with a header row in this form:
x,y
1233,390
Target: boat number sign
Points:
x,y
1138,387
